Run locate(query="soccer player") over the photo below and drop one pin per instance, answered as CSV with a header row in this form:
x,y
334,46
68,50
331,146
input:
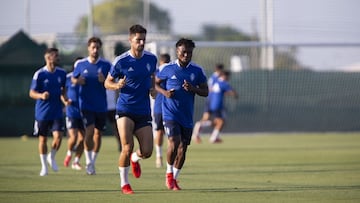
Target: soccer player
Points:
x,y
133,73
90,74
206,115
216,110
111,97
74,124
183,80
157,114
47,88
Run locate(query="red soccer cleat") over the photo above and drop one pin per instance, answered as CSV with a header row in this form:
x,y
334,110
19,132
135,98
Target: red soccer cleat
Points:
x,y
126,189
176,186
136,169
67,161
169,181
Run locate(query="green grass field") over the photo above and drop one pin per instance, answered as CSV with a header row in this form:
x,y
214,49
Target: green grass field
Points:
x,y
245,168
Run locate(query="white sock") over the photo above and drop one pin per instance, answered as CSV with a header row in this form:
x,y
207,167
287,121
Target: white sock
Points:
x,y
214,135
158,150
88,157
196,129
94,156
43,161
68,153
76,160
176,173
134,157
124,174
52,153
169,168
205,124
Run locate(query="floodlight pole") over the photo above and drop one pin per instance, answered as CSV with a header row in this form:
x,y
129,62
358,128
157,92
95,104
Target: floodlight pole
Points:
x,y
267,34
90,27
27,16
146,14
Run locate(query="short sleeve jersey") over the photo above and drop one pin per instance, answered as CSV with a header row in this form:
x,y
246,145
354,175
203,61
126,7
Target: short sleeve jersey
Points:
x,y
134,96
216,95
159,97
180,107
52,82
72,92
92,95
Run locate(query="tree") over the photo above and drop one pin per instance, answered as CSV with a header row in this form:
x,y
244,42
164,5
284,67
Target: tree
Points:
x,y
223,33
116,16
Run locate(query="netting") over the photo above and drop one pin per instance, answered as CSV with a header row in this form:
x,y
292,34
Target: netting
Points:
x,y
297,95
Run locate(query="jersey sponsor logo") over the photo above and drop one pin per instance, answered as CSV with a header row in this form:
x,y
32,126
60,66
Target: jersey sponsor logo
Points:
x,y
174,77
130,69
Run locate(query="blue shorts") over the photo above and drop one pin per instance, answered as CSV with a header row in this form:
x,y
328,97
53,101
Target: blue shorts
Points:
x,y
42,128
158,121
217,114
139,120
74,123
94,118
173,128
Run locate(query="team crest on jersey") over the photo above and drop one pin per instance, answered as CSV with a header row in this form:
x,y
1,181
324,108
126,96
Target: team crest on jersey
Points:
x,y
85,71
59,79
192,76
148,67
46,81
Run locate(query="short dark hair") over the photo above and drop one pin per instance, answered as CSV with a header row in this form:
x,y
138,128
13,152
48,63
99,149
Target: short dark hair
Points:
x,y
137,29
51,50
165,57
95,40
186,42
219,66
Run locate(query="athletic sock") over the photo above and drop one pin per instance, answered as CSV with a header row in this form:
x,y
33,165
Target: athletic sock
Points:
x,y
76,159
158,151
169,168
52,153
176,172
68,153
214,135
124,171
94,157
88,156
43,161
134,157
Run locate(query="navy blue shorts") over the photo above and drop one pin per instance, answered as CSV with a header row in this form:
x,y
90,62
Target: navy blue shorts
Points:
x,y
158,121
74,123
139,120
94,118
42,128
217,114
173,128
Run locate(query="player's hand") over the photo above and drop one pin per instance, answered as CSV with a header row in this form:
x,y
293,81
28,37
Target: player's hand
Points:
x,y
170,93
45,95
101,77
187,86
121,83
81,80
68,102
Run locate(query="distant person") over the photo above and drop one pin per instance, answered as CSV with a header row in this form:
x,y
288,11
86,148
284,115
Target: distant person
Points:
x,y
133,73
74,124
90,74
47,88
183,80
157,115
215,109
206,115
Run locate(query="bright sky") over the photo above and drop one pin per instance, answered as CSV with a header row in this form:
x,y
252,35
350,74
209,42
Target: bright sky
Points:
x,y
295,21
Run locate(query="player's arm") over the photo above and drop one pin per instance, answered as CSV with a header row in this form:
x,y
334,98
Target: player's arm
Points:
x,y
111,84
153,92
232,93
159,89
64,99
201,90
37,95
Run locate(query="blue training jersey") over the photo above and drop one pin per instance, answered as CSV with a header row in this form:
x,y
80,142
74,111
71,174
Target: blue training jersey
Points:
x,y
52,82
134,96
72,92
180,107
159,97
216,95
92,95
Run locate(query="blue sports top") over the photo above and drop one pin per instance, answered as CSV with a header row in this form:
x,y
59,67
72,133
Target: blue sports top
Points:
x,y
52,82
159,97
134,96
92,95
180,107
72,92
216,95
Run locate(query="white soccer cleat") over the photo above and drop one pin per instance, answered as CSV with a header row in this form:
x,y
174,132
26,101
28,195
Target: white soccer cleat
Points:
x,y
44,172
76,166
